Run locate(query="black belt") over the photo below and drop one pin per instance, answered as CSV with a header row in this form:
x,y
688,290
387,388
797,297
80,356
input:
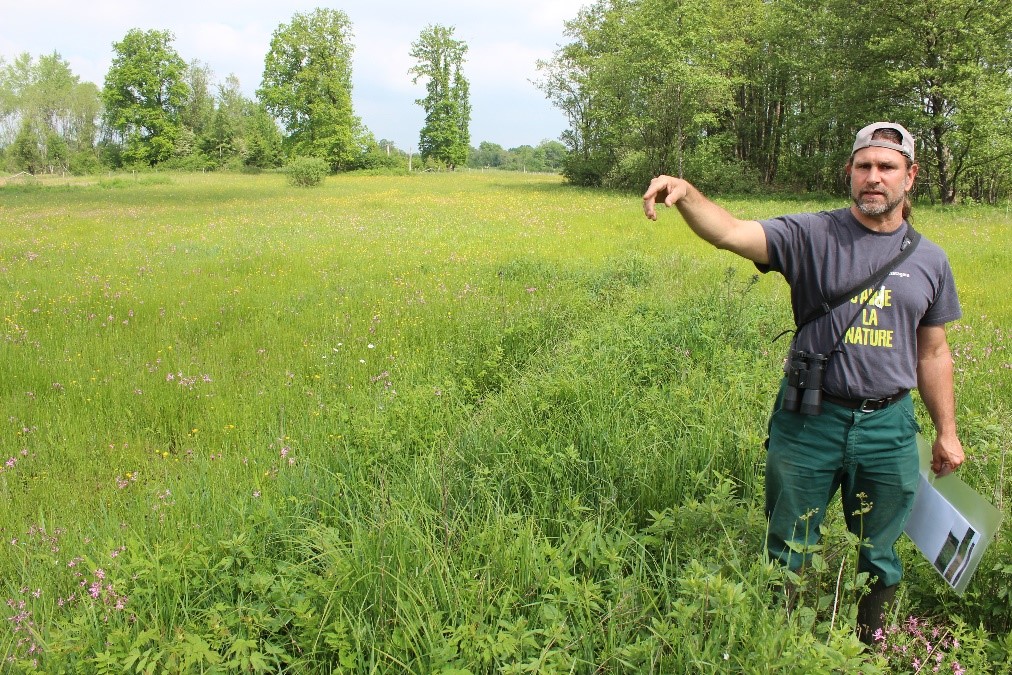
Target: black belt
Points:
x,y
866,404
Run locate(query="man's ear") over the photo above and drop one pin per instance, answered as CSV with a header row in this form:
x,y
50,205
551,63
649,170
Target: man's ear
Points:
x,y
912,175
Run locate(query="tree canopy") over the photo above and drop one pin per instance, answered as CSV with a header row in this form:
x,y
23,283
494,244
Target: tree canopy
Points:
x,y
47,115
145,92
307,85
747,94
439,60
736,95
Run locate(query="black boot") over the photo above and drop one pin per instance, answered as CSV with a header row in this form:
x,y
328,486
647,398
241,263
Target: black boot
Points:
x,y
871,610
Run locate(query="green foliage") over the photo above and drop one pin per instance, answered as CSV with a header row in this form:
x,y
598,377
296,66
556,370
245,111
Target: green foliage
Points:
x,y
917,645
307,171
197,111
439,60
263,140
57,114
307,85
24,154
952,87
647,87
547,156
145,92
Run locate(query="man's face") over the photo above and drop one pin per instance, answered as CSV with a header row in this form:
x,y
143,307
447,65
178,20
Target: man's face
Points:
x,y
879,178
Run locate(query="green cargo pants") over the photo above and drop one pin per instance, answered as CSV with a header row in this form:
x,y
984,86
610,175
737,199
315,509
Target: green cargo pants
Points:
x,y
871,457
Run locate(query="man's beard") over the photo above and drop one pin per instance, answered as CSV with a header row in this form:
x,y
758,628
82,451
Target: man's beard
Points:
x,y
878,208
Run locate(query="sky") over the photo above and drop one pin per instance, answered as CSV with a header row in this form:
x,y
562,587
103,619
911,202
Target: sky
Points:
x,y
505,39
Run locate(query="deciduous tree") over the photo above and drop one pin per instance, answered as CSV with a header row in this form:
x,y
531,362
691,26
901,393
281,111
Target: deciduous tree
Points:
x,y
439,57
145,92
49,116
307,85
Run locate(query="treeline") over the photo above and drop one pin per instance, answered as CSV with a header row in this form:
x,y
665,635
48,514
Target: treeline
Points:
x,y
156,109
743,95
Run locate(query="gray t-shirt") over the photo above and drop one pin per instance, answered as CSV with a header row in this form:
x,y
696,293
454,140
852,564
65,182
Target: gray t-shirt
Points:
x,y
822,255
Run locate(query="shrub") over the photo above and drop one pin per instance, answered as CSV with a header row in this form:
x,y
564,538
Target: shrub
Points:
x,y
307,171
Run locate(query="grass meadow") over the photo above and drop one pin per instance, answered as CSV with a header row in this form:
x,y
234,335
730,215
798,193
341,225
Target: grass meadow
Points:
x,y
438,423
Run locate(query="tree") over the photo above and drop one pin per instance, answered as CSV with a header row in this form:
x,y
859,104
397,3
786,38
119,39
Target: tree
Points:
x,y
307,85
145,92
446,136
263,141
554,154
577,81
25,153
741,93
947,70
54,115
225,135
197,112
488,154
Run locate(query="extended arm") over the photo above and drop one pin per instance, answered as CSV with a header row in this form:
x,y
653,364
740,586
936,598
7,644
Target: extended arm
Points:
x,y
934,381
708,220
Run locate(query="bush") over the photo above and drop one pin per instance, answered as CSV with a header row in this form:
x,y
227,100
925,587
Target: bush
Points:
x,y
307,171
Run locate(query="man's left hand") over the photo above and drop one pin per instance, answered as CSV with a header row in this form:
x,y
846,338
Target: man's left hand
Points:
x,y
946,455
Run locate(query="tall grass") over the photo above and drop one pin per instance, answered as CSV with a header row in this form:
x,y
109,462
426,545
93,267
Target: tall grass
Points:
x,y
434,423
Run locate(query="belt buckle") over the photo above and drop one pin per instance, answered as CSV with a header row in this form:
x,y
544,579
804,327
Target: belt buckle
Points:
x,y
870,405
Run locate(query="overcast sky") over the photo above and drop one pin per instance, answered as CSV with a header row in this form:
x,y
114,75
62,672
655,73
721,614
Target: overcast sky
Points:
x,y
505,39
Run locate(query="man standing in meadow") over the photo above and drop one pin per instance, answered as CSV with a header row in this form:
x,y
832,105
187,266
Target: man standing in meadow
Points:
x,y
871,318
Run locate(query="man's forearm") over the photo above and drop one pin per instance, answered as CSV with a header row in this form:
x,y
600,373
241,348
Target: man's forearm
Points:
x,y
709,221
935,383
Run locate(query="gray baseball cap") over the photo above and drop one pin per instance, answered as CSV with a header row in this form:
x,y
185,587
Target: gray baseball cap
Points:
x,y
864,139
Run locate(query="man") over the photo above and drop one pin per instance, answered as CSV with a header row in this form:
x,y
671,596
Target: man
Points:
x,y
878,345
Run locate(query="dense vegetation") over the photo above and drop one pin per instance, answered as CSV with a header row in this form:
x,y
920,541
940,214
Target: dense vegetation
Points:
x,y
739,96
436,423
742,95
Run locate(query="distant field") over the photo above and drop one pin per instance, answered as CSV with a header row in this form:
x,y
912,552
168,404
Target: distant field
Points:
x,y
479,422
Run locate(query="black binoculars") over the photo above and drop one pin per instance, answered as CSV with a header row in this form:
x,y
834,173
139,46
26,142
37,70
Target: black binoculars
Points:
x,y
804,383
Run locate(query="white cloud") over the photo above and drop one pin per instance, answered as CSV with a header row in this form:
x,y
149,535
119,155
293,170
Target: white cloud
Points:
x,y
228,49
